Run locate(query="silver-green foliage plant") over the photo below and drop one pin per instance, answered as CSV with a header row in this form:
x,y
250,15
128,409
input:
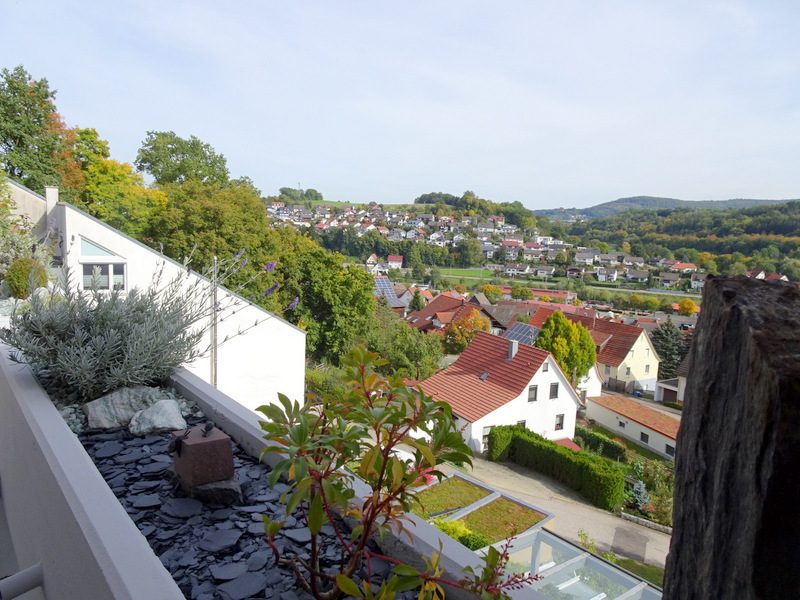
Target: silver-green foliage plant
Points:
x,y
93,342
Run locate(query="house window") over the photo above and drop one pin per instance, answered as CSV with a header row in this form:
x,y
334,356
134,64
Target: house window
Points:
x,y
608,370
545,367
105,276
621,424
627,370
485,441
647,352
669,449
644,437
559,422
553,390
521,423
532,392
647,368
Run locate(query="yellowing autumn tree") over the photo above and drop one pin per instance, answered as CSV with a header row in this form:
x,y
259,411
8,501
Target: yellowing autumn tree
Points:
x,y
459,333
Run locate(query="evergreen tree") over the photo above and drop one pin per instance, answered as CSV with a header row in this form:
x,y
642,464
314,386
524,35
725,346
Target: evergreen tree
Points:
x,y
569,343
668,342
417,302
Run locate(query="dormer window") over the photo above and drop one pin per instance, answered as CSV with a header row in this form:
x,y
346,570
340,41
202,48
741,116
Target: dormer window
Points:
x,y
101,267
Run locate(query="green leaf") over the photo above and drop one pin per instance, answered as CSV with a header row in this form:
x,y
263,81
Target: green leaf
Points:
x,y
348,586
316,515
300,493
427,454
405,584
405,570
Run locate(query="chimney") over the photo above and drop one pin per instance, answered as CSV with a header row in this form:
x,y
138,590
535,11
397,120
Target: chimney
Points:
x,y
513,346
51,198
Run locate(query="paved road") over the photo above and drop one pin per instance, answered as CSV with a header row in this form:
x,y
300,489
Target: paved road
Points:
x,y
572,513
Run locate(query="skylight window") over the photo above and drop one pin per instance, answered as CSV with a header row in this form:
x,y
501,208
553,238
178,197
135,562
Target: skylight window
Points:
x,y
484,376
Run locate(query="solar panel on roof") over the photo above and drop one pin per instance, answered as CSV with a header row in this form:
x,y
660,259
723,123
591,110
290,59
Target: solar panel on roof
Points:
x,y
384,287
522,333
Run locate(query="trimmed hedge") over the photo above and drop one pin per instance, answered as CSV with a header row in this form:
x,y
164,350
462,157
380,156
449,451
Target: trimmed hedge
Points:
x,y
597,479
24,274
601,443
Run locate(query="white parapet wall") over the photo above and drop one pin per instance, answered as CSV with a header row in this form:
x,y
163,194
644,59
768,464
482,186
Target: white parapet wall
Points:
x,y
57,510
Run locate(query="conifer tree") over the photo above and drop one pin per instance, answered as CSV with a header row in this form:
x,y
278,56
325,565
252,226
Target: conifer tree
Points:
x,y
668,342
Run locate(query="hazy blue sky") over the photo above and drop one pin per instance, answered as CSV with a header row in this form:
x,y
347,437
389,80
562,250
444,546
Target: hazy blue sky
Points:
x,y
550,103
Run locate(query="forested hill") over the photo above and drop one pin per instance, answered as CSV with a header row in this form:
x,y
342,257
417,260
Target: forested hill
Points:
x,y
607,209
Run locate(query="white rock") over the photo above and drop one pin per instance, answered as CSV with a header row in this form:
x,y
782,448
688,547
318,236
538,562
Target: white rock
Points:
x,y
117,408
163,415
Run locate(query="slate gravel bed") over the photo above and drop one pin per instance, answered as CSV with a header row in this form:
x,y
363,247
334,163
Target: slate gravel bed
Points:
x,y
213,552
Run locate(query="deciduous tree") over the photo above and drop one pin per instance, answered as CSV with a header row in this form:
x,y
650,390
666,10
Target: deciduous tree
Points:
x,y
687,307
169,158
459,333
569,343
29,129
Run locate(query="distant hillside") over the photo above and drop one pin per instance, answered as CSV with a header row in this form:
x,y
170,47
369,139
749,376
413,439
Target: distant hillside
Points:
x,y
608,209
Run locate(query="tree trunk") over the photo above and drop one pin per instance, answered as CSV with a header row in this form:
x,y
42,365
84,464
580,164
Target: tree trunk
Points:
x,y
737,490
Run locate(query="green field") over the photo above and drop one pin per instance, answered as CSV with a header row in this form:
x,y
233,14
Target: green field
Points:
x,y
474,273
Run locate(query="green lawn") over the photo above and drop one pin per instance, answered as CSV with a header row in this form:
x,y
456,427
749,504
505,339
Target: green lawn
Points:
x,y
633,448
477,273
651,573
447,496
501,519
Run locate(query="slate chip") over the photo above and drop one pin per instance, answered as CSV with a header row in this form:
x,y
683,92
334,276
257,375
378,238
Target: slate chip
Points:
x,y
301,535
245,586
228,571
218,540
109,449
182,508
257,561
145,501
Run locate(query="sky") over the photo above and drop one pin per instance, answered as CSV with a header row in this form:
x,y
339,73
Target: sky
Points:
x,y
560,103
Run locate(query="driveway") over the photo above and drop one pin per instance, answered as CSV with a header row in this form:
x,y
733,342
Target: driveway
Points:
x,y
572,513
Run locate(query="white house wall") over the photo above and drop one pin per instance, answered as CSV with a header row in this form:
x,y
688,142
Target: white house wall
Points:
x,y
539,416
632,430
252,368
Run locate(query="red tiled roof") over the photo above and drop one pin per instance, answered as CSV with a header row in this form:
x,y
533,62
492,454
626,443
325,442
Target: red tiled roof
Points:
x,y
461,386
614,339
422,319
644,415
568,443
394,258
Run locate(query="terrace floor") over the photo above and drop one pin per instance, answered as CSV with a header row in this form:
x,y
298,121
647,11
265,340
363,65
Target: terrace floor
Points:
x,y
572,513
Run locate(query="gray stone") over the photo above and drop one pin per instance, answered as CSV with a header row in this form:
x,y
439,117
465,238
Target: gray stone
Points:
x,y
218,492
153,468
164,415
182,508
133,456
145,501
74,417
218,540
228,571
302,535
108,449
245,586
117,408
737,485
257,560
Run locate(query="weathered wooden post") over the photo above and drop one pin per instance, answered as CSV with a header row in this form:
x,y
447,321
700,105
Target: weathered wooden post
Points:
x,y
737,491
